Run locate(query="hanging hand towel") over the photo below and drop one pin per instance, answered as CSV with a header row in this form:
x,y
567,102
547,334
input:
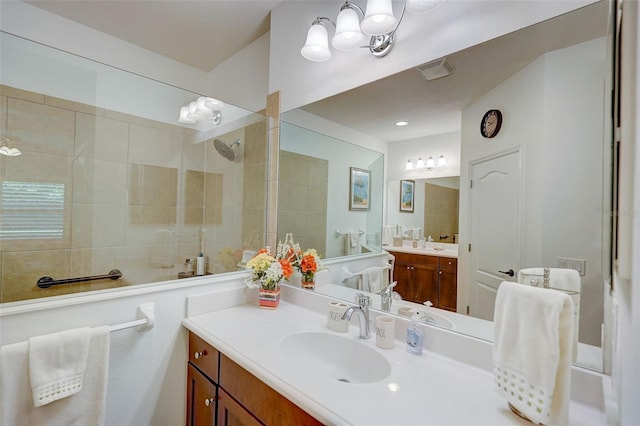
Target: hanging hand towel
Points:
x,y
372,279
83,408
532,351
561,279
56,364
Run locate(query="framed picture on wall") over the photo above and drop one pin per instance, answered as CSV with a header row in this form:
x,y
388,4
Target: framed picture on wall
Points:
x,y
359,188
407,189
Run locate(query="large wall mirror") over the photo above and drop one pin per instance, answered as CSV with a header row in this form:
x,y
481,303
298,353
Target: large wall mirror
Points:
x,y
551,81
109,179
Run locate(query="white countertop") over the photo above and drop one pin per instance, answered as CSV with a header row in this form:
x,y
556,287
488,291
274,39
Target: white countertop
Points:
x,y
431,249
432,389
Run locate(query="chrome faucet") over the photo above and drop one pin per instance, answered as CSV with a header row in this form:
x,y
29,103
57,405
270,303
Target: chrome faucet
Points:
x,y
387,296
363,315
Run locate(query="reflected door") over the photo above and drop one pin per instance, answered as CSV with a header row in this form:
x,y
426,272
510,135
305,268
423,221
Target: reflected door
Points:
x,y
495,228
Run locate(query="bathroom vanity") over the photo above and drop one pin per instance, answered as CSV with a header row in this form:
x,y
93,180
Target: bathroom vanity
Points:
x,y
263,367
427,274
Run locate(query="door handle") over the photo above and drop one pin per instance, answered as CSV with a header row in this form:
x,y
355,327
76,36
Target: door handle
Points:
x,y
509,272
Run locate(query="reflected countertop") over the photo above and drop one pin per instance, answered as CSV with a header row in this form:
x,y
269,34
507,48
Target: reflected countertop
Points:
x,y
430,249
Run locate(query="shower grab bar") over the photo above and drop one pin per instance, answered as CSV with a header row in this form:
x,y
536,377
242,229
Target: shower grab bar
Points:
x,y
46,282
342,234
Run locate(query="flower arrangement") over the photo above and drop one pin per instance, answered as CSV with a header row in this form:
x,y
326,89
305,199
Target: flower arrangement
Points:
x,y
309,264
267,271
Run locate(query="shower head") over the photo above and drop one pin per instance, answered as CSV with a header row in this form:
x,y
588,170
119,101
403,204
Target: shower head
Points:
x,y
225,150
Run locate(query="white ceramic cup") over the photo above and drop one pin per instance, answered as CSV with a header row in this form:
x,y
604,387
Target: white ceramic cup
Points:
x,y
334,318
385,332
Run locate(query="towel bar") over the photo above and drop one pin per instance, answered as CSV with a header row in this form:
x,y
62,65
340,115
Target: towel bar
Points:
x,y
146,317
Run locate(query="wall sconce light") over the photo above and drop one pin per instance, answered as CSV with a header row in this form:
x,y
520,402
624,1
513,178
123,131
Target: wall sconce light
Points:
x,y
202,109
378,22
430,164
9,151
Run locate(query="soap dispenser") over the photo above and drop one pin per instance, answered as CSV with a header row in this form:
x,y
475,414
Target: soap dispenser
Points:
x,y
415,336
200,264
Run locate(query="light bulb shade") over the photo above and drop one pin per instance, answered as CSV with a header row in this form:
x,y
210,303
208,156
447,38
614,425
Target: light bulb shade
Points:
x,y
316,48
378,19
442,161
420,163
409,165
430,163
348,35
422,5
184,115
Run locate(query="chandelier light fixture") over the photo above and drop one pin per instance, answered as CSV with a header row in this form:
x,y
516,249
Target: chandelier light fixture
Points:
x,y
430,164
378,22
202,109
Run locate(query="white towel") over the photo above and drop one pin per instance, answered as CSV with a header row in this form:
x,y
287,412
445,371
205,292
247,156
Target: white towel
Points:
x,y
372,279
562,279
352,245
532,351
86,407
387,237
56,364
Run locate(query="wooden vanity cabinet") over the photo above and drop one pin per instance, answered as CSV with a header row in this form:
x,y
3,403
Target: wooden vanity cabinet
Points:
x,y
423,277
239,398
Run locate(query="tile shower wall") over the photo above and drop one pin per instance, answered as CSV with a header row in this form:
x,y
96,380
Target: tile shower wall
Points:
x,y
302,199
440,212
137,195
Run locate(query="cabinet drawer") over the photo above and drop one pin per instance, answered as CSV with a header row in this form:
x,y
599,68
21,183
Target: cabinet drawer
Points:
x,y
448,263
263,402
204,356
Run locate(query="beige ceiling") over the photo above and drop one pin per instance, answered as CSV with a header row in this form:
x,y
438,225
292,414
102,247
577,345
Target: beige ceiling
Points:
x,y
199,33
204,33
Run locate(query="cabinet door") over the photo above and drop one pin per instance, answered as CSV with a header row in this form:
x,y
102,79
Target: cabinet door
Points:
x,y
403,275
230,413
448,289
425,283
201,399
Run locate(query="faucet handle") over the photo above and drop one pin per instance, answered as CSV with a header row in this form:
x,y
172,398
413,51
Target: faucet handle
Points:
x,y
363,300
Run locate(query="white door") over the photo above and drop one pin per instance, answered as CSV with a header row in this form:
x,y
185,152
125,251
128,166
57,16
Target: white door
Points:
x,y
495,229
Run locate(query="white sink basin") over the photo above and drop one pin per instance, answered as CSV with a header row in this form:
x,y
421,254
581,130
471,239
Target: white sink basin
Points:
x,y
334,357
435,319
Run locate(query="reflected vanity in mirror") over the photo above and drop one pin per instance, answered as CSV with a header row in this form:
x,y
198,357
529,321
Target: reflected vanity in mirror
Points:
x,y
551,82
109,178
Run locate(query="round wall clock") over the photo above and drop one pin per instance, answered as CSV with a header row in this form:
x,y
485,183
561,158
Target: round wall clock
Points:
x,y
491,123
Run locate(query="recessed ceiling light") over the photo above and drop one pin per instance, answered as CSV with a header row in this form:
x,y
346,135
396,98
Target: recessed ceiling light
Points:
x,y
401,123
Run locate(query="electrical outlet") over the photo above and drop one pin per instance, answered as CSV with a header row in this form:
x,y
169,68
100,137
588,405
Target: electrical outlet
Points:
x,y
579,265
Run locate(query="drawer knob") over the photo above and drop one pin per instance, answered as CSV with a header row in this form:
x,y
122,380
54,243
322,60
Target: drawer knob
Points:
x,y
209,401
198,355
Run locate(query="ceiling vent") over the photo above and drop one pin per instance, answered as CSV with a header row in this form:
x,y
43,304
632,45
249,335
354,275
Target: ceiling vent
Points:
x,y
436,69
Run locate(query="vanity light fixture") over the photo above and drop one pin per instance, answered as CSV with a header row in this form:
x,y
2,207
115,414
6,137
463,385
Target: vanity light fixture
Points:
x,y
9,151
409,165
202,109
378,22
430,164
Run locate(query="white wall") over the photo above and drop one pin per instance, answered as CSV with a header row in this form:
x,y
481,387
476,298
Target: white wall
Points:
x,y
552,110
420,38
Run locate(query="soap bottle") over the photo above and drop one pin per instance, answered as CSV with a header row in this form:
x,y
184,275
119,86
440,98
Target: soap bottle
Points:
x,y
414,336
200,264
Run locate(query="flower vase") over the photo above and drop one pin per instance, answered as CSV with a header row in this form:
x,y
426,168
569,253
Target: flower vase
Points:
x,y
269,299
308,282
